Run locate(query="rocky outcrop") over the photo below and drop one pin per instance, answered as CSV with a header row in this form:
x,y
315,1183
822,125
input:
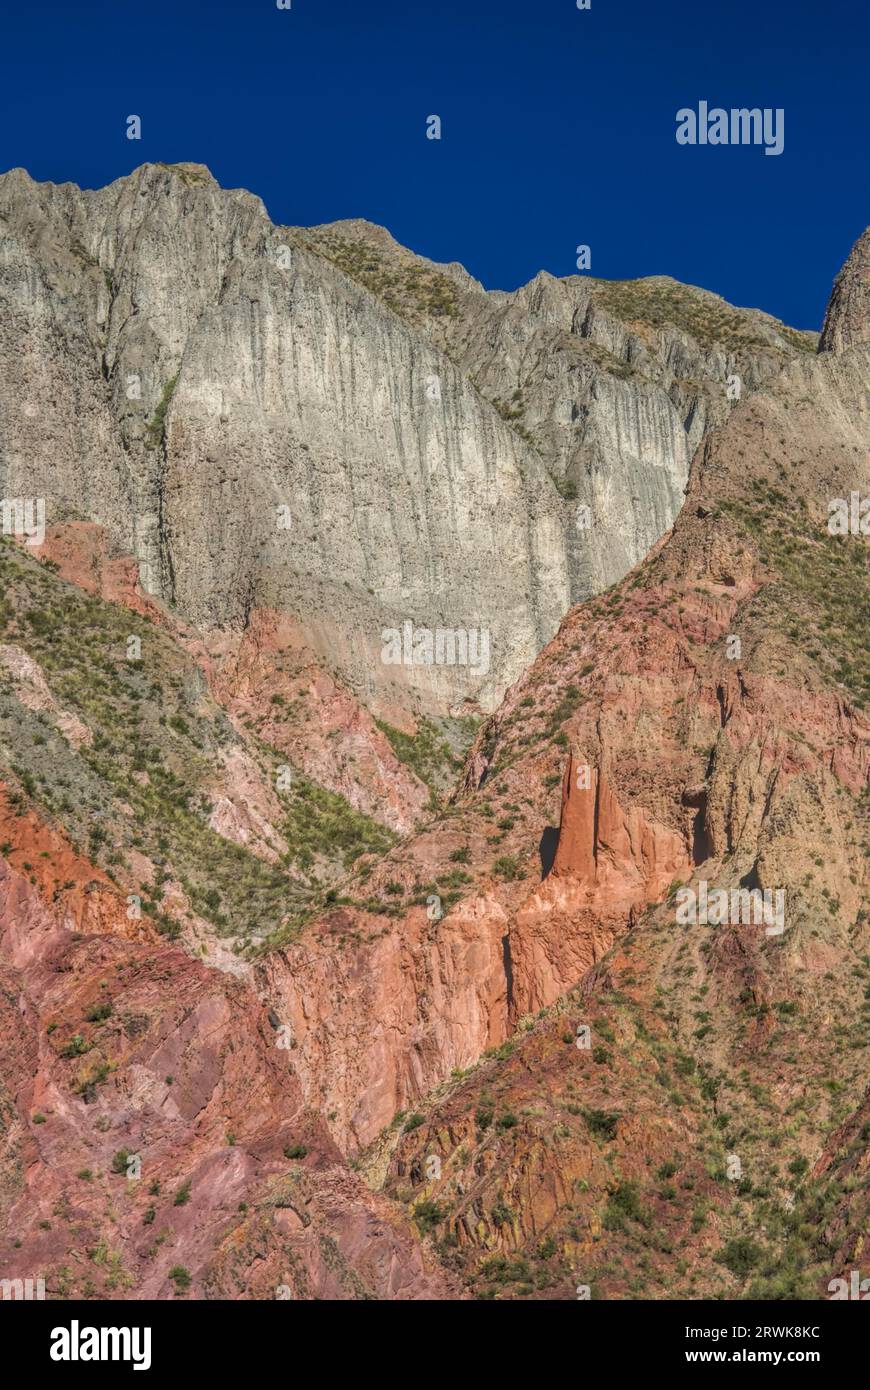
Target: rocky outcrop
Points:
x,y
609,864
614,384
267,679
263,422
847,321
708,758
606,849
515,991
260,431
135,1078
720,697
407,1003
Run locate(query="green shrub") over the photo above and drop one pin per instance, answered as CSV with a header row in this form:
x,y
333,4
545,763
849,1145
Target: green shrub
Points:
x,y
427,1216
602,1123
98,1013
740,1255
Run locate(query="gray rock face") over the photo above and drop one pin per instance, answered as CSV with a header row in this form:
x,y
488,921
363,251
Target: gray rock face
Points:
x,y
321,421
614,384
847,321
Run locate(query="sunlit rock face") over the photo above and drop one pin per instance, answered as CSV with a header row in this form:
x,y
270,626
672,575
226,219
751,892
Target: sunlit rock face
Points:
x,y
847,321
319,422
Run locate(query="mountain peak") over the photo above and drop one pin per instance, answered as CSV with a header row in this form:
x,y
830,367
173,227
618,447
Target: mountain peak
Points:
x,y
847,320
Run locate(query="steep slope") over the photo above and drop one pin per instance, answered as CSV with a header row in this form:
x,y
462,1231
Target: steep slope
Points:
x,y
269,682
109,726
260,430
847,321
256,430
153,1142
614,383
684,756
242,977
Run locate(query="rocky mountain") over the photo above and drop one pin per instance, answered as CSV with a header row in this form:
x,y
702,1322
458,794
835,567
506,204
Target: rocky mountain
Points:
x,y
295,1001
704,727
317,422
847,317
614,384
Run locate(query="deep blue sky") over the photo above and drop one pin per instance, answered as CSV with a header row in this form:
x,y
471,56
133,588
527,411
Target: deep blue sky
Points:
x,y
558,125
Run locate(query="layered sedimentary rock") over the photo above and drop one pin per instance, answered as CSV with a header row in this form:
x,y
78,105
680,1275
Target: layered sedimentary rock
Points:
x,y
138,1080
261,430
502,1018
720,701
708,757
614,384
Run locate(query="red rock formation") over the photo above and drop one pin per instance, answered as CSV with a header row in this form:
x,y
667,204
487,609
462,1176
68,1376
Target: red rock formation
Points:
x,y
611,852
268,678
116,1046
608,864
748,768
38,859
708,763
379,1013
85,556
318,724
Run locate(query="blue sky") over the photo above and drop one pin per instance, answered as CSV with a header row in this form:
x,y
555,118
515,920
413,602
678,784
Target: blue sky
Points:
x,y
558,125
